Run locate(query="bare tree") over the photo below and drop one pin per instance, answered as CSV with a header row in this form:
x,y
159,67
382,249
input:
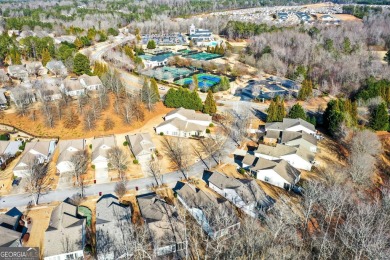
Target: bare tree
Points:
x,y
80,164
119,161
89,120
177,152
154,167
37,181
120,189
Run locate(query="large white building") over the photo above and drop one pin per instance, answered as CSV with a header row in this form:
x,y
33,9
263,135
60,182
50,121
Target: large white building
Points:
x,y
184,123
199,36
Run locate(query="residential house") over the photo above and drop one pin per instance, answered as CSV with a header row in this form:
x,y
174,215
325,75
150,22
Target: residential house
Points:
x,y
18,72
13,229
72,87
49,89
22,96
184,123
8,149
189,115
271,137
64,38
68,148
35,68
245,194
57,68
65,236
40,152
100,148
279,173
299,157
90,82
142,146
166,229
112,217
299,138
208,210
290,124
12,33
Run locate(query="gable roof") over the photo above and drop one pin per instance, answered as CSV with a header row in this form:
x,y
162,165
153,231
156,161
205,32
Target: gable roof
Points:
x,y
288,123
41,147
10,235
97,143
274,134
141,142
65,226
190,114
288,136
247,189
183,125
91,80
282,150
281,167
3,99
72,84
109,209
68,148
162,220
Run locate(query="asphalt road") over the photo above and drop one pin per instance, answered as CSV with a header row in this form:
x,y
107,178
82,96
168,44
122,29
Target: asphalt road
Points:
x,y
143,184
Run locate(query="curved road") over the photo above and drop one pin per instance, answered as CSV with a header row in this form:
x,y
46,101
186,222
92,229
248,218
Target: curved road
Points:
x,y
143,184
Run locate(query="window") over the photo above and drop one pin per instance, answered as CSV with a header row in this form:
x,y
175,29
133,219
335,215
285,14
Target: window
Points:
x,y
266,179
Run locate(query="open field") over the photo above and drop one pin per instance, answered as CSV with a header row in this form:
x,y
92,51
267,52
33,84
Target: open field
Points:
x,y
347,17
39,128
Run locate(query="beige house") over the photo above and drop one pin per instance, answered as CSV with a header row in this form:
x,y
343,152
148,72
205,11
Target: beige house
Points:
x,y
142,146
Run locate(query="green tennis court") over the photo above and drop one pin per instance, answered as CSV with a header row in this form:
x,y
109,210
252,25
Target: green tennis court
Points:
x,y
204,56
205,80
166,73
85,212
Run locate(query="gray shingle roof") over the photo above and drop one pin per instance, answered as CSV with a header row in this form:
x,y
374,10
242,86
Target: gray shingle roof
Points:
x,y
287,123
8,224
68,148
281,167
183,125
190,114
99,144
141,142
281,150
288,136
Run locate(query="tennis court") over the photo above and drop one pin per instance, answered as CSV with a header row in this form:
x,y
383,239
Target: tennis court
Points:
x,y
205,80
204,56
274,87
166,73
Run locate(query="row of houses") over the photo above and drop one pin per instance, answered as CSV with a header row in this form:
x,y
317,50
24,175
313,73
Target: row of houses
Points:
x,y
51,89
287,148
213,209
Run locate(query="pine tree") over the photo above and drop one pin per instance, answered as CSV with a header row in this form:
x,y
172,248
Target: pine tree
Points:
x,y
195,82
379,118
271,112
306,89
151,44
387,58
210,106
297,111
156,94
78,43
281,111
45,57
81,64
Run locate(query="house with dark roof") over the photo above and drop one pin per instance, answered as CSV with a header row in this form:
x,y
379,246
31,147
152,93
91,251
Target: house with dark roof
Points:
x,y
208,210
299,157
290,124
65,236
245,194
12,228
278,173
112,217
142,146
40,152
68,148
166,228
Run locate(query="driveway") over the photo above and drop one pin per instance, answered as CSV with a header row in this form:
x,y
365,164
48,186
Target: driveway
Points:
x,y
143,184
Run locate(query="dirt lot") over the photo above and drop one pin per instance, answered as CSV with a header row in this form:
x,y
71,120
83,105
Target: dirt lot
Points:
x,y
38,127
347,17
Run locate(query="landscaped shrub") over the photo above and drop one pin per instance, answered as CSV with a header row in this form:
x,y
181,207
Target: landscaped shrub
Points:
x,y
93,166
211,125
90,146
125,143
161,133
208,131
241,170
135,161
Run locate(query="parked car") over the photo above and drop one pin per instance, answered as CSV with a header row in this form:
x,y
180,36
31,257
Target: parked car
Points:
x,y
16,182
